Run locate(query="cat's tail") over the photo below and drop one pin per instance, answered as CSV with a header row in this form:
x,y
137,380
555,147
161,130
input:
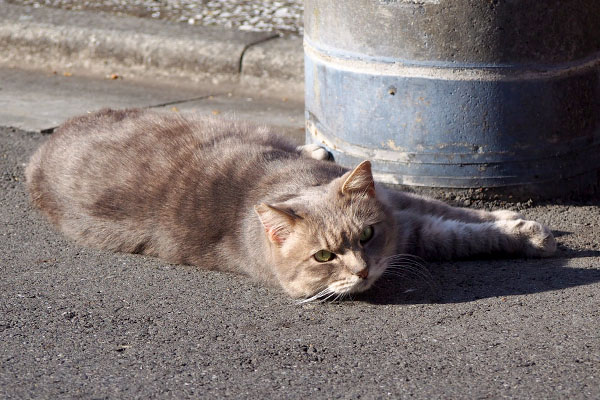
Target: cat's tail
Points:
x,y
40,192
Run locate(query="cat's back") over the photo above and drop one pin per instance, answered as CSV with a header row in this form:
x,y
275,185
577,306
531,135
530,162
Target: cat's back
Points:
x,y
175,186
138,132
123,139
138,157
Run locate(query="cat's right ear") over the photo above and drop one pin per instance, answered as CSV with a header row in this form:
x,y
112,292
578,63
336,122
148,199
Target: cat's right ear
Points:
x,y
278,223
360,180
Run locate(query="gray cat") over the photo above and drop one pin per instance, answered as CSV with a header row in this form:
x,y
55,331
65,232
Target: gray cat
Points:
x,y
232,196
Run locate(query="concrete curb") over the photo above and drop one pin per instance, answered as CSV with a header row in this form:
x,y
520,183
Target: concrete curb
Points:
x,y
104,43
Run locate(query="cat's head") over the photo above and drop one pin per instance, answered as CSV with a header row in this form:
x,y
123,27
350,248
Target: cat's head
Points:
x,y
331,239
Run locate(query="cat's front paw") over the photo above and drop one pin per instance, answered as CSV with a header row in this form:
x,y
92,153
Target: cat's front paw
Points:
x,y
314,151
539,239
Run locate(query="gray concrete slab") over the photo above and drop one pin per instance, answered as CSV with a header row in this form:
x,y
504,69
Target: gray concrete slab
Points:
x,y
77,322
101,43
283,113
38,100
82,37
279,60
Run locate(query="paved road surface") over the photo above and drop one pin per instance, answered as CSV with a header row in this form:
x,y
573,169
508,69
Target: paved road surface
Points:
x,y
77,322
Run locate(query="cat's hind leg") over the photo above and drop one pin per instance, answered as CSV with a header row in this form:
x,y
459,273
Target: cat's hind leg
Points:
x,y
434,237
424,205
314,151
506,214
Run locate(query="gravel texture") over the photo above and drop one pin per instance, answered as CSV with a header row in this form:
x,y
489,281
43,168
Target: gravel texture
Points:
x,y
283,16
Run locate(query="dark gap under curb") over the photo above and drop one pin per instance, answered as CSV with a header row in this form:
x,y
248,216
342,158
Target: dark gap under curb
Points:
x,y
275,36
170,103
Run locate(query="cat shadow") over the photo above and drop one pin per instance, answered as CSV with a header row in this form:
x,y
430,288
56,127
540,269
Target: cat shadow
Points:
x,y
466,281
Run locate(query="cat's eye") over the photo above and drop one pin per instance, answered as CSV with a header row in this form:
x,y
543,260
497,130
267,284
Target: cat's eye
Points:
x,y
366,234
324,256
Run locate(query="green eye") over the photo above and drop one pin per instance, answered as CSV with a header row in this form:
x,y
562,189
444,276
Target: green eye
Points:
x,y
324,256
366,234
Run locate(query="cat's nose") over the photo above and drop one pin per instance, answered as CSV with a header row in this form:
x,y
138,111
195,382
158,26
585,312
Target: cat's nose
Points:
x,y
363,273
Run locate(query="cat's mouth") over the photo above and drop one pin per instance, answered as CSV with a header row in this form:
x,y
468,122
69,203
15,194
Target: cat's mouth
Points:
x,y
349,285
356,284
361,286
339,289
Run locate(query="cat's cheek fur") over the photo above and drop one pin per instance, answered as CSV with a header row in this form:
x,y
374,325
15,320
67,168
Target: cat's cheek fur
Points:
x,y
288,263
302,280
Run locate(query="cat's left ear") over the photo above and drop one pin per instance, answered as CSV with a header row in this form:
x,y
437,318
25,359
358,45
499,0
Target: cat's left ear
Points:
x,y
360,180
278,222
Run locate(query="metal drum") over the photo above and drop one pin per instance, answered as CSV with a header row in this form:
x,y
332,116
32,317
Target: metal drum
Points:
x,y
502,95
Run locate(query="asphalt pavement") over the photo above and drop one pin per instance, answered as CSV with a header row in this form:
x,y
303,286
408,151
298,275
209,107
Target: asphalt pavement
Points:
x,y
82,323
78,322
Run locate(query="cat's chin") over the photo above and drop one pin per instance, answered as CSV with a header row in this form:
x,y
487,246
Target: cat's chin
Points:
x,y
349,284
364,285
361,286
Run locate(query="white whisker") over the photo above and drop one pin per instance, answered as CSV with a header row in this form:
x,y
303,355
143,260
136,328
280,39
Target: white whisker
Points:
x,y
323,300
411,267
320,294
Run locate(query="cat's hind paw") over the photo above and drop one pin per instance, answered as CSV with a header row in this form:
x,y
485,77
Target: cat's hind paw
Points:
x,y
314,151
540,241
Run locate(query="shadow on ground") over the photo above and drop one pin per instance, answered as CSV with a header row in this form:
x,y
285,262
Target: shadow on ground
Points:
x,y
465,281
